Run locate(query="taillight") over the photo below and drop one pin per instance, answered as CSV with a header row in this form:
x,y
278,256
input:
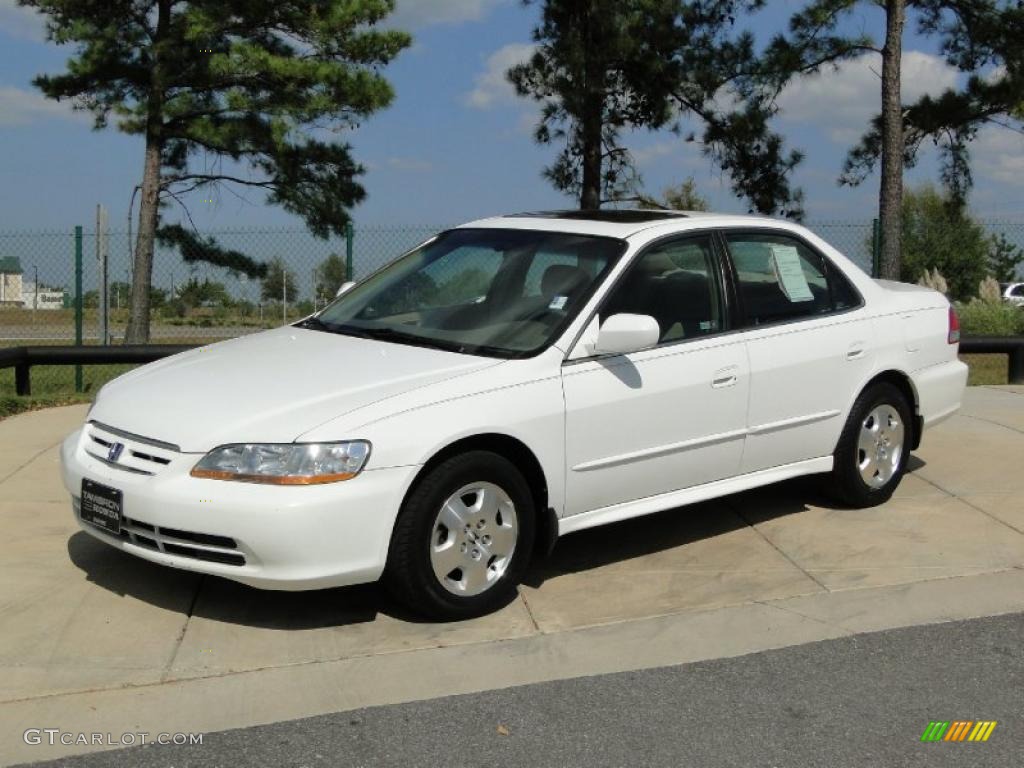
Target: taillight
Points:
x,y
954,327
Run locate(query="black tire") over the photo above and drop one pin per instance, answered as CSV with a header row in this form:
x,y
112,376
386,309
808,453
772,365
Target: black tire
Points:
x,y
845,483
409,574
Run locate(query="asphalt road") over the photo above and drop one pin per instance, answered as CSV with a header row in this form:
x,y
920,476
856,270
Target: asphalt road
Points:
x,y
860,701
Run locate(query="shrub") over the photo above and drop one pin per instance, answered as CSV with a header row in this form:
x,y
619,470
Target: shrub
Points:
x,y
934,280
990,318
989,290
938,235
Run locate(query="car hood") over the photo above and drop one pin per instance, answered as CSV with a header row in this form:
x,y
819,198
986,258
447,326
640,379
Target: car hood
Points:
x,y
268,387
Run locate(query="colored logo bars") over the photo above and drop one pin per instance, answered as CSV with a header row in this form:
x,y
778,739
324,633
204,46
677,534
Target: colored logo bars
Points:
x,y
958,730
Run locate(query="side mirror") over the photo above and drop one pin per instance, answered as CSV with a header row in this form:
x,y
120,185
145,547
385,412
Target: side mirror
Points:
x,y
345,287
624,333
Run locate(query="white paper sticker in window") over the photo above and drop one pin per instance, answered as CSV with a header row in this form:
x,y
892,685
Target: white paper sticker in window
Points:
x,y
790,274
558,302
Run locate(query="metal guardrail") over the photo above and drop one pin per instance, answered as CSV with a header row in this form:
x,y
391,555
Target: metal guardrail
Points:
x,y
22,359
1011,346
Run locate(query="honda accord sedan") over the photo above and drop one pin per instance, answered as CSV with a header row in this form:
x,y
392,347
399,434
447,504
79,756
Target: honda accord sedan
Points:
x,y
509,382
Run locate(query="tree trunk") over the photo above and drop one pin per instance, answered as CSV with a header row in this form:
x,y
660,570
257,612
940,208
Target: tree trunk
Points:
x,y
592,114
590,192
890,198
137,331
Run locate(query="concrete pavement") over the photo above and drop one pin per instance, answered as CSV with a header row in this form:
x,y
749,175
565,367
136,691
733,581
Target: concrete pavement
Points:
x,y
96,640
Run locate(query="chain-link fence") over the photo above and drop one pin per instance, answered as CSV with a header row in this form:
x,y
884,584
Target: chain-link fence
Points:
x,y
196,303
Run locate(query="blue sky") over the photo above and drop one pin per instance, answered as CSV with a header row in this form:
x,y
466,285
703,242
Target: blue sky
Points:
x,y
456,143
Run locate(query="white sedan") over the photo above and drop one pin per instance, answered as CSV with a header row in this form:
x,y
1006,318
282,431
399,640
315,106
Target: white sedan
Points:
x,y
1013,293
509,382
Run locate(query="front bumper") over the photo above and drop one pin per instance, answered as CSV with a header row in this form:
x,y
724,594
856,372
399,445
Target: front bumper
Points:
x,y
285,538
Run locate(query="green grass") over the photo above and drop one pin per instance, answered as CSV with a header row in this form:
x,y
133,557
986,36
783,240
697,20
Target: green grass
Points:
x,y
986,369
11,405
57,381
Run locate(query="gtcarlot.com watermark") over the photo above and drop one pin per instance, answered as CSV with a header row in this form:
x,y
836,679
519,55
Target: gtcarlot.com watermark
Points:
x,y
54,736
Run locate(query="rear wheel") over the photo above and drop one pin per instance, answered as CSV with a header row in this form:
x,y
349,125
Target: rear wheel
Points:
x,y
462,538
874,448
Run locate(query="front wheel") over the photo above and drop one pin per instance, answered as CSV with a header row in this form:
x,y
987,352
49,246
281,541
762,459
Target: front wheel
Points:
x,y
463,537
874,448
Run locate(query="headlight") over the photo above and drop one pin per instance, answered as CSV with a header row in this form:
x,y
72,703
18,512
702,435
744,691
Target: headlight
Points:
x,y
287,464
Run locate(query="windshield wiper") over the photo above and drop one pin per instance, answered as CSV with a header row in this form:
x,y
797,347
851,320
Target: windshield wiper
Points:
x,y
399,337
313,323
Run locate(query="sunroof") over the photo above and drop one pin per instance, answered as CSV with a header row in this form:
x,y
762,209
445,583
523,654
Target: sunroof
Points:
x,y
611,216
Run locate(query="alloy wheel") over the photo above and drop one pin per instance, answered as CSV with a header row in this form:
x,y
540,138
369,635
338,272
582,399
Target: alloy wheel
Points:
x,y
473,539
880,445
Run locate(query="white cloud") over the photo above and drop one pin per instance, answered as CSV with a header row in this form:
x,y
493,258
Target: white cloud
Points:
x,y
411,14
16,21
997,154
22,107
492,86
842,101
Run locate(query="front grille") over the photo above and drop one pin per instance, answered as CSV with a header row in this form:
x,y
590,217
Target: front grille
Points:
x,y
137,455
198,546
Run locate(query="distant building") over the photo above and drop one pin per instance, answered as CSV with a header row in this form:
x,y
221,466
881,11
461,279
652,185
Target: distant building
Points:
x,y
10,281
47,298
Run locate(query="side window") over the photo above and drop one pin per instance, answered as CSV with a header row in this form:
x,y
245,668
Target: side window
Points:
x,y
844,295
677,284
779,278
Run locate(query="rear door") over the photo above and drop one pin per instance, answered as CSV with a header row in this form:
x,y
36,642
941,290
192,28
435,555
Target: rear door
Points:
x,y
809,343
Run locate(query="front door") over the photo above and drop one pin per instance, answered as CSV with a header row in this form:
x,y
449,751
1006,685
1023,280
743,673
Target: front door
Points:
x,y
666,418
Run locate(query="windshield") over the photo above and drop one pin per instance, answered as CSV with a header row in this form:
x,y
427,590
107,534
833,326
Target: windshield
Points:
x,y
501,292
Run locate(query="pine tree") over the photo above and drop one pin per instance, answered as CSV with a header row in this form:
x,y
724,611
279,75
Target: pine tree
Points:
x,y
972,35
603,67
227,92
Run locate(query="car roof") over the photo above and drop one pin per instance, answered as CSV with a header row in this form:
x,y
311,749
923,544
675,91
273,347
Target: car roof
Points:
x,y
620,223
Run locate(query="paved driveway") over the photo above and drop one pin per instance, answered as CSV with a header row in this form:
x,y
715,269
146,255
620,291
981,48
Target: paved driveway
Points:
x,y
96,640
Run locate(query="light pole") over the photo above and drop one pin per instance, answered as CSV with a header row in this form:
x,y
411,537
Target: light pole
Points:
x,y
35,292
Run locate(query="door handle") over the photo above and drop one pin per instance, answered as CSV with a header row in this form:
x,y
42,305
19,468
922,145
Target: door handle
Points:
x,y
726,377
856,351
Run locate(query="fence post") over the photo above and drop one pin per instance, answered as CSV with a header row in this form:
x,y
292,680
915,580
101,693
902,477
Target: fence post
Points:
x,y
78,303
1015,366
102,258
876,248
22,379
349,242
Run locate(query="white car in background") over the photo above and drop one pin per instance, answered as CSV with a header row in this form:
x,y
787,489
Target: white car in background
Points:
x,y
509,382
1013,293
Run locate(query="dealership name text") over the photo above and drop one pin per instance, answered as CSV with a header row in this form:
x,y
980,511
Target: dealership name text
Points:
x,y
53,736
